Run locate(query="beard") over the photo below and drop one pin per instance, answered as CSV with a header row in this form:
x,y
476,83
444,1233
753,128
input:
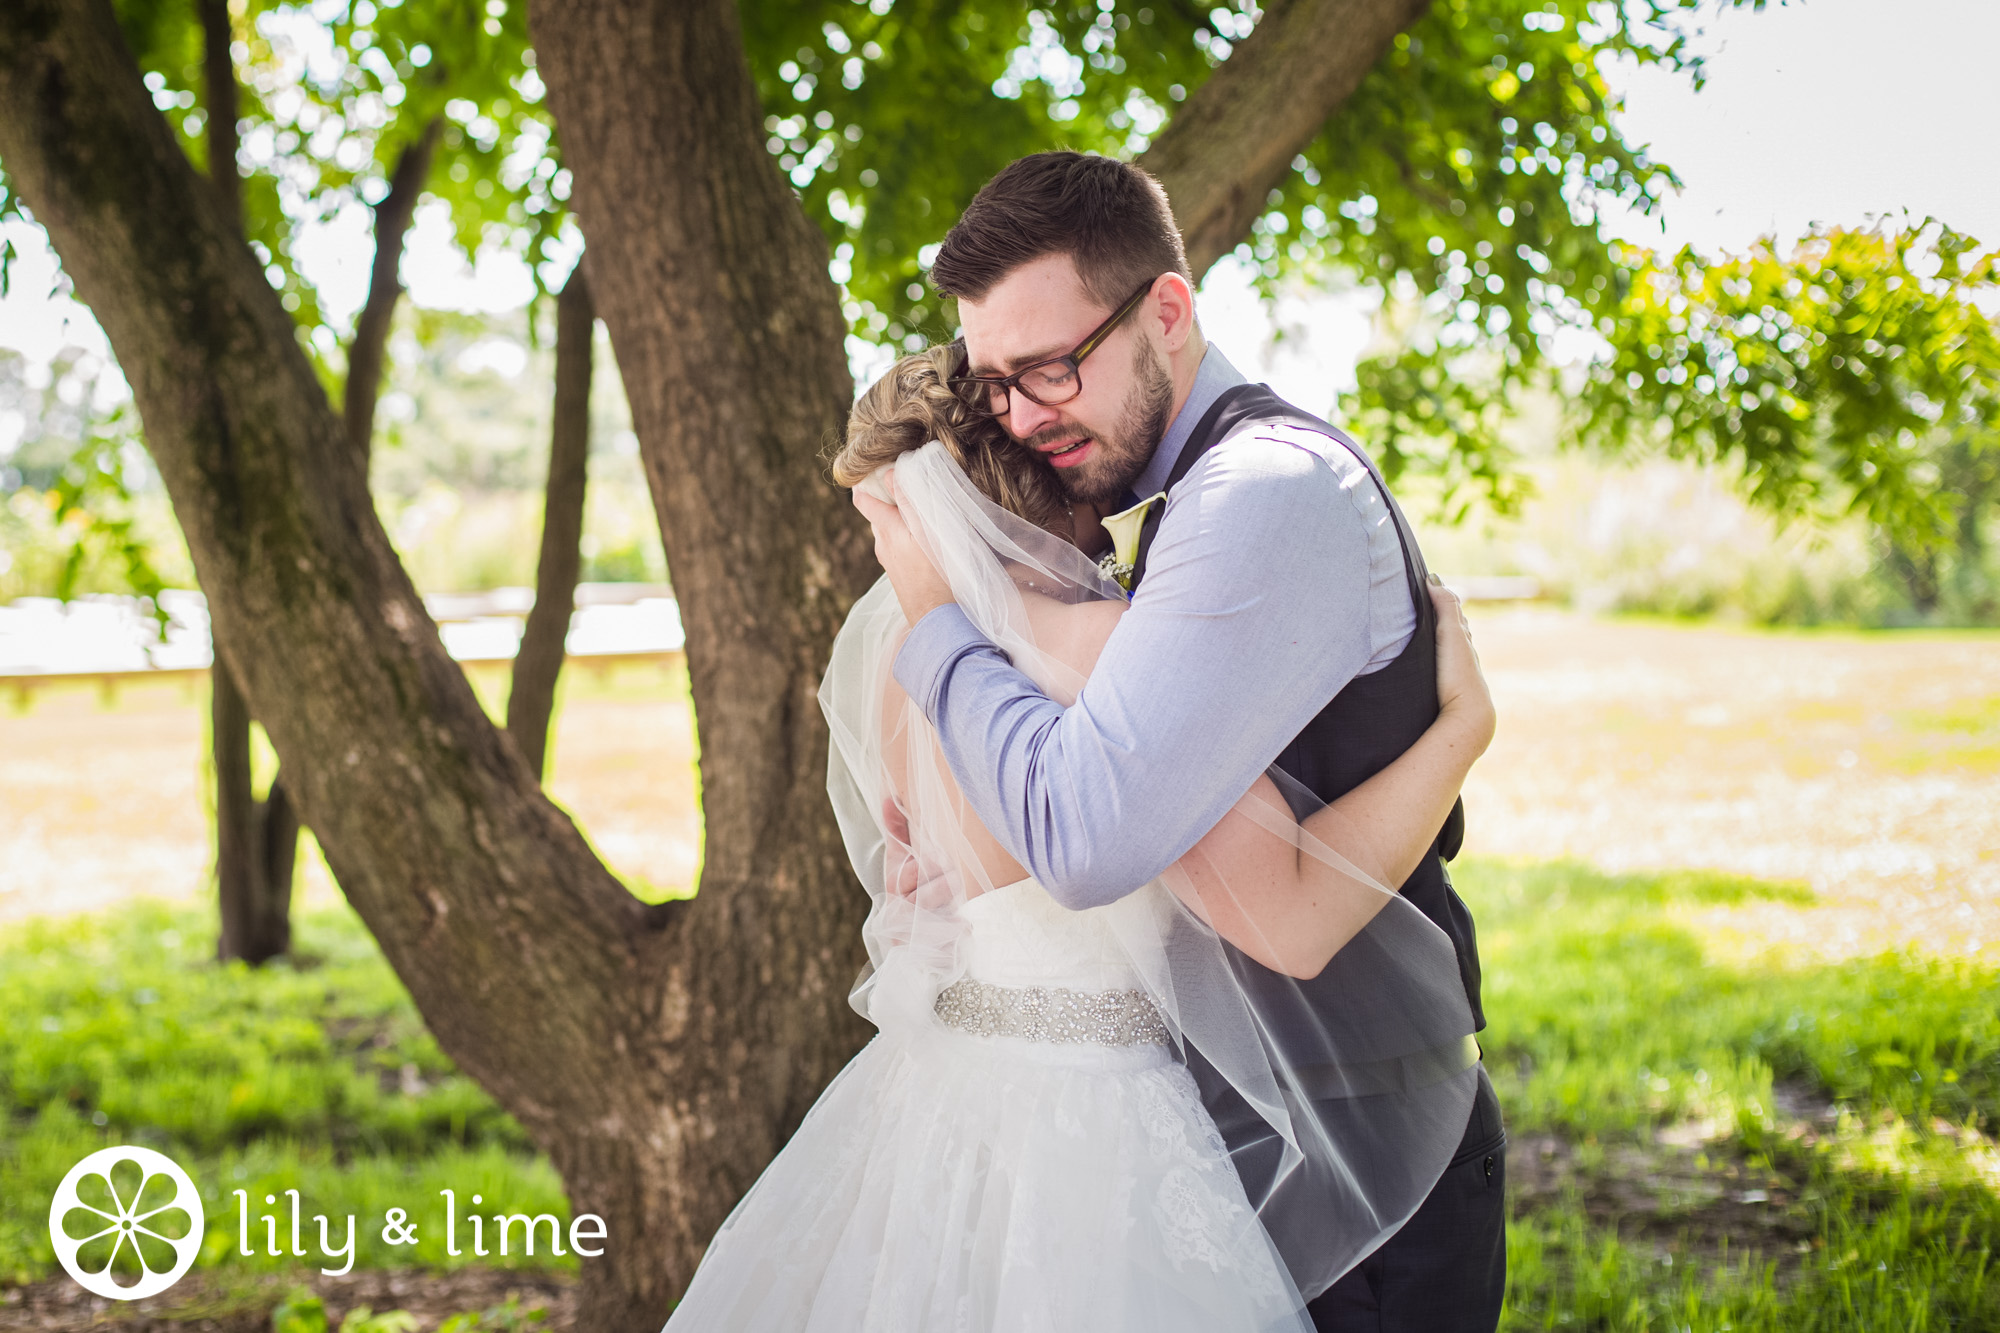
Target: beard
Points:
x,y
1125,449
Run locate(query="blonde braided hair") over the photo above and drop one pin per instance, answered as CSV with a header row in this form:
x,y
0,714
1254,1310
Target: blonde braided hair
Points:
x,y
914,404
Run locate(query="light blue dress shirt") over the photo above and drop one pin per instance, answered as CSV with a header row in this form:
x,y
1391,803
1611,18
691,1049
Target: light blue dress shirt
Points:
x,y
1274,579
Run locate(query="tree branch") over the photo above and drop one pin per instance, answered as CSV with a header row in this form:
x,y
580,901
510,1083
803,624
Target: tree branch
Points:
x,y
371,328
219,70
1234,139
539,660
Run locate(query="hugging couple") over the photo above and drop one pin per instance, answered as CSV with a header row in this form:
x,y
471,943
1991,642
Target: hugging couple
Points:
x,y
1147,748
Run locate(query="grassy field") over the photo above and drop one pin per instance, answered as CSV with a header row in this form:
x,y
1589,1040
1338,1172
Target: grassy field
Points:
x,y
1700,1144
1737,903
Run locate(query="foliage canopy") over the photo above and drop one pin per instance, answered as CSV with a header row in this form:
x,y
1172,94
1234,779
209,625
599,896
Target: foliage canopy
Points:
x,y
1464,182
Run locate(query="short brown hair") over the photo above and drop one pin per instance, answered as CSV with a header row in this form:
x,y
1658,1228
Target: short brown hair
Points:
x,y
1110,217
914,404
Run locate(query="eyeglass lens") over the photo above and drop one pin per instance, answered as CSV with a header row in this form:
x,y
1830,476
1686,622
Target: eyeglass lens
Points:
x,y
1048,385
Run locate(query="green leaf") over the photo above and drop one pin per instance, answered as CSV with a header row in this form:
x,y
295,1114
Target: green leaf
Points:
x,y
300,1312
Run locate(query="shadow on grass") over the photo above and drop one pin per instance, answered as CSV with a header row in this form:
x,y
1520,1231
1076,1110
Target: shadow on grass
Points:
x,y
1703,1145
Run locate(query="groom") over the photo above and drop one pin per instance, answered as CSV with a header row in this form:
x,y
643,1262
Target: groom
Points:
x,y
1278,615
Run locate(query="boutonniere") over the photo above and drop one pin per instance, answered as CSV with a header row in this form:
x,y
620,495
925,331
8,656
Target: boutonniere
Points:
x,y
1124,528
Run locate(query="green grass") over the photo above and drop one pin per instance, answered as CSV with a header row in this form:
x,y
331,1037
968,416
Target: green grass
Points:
x,y
1611,1026
1742,1147
313,1074
1966,737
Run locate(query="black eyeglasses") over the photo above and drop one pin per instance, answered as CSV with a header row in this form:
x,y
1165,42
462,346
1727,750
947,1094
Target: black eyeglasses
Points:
x,y
1051,382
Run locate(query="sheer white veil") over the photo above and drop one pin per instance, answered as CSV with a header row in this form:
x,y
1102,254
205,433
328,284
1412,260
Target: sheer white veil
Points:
x,y
1342,1097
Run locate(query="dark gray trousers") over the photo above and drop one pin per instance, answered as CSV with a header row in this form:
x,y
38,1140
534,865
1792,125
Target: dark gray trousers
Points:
x,y
1446,1270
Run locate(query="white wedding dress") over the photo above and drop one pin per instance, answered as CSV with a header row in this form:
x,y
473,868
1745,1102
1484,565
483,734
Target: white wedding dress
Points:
x,y
1023,1155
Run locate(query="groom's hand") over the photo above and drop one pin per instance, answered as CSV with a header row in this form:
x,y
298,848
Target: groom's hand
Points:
x,y
920,589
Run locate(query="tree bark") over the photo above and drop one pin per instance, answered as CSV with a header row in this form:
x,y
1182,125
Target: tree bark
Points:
x,y
714,286
219,73
267,884
365,352
601,1023
1234,138
278,851
539,661
256,842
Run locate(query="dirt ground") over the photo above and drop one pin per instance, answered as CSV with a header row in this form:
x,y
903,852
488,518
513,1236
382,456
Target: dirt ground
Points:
x,y
98,804
204,1302
1865,765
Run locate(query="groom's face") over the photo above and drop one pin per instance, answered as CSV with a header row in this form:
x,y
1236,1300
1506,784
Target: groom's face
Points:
x,y
1101,440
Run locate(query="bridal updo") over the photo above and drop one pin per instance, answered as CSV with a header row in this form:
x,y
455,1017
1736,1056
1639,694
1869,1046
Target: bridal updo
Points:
x,y
914,404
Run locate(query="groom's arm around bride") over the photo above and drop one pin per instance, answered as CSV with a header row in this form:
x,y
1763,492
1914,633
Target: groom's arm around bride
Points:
x,y
1278,614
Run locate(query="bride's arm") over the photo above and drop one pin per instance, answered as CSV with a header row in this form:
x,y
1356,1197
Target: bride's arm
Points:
x,y
1281,905
1387,823
1290,910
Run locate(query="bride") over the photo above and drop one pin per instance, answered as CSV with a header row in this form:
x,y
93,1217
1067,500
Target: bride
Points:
x,y
1022,1146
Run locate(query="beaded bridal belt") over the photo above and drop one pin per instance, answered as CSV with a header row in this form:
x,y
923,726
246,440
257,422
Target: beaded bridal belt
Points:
x,y
1052,1013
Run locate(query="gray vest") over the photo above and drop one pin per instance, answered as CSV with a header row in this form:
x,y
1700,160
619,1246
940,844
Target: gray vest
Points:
x,y
1369,723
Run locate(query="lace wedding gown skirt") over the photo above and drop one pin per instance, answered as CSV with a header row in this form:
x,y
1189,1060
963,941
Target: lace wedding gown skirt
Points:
x,y
1023,1156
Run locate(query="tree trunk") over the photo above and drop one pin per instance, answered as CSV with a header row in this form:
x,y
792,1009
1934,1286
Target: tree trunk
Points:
x,y
729,335
1917,570
219,73
539,974
365,353
278,850
256,842
1233,140
539,661
658,1054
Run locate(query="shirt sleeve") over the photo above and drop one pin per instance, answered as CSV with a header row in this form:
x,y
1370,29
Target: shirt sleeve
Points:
x,y
1253,614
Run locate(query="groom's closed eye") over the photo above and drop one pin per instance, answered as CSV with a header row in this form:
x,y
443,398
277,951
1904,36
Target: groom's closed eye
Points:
x,y
1014,363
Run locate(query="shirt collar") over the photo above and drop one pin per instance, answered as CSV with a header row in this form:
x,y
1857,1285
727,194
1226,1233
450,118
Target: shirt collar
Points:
x,y
1214,375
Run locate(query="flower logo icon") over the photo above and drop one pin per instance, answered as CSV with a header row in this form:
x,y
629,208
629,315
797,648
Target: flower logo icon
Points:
x,y
126,1222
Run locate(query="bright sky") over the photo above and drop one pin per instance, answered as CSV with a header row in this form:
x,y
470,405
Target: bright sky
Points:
x,y
1827,111
1830,111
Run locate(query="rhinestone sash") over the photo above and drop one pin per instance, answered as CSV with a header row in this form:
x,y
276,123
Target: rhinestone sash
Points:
x,y
1052,1013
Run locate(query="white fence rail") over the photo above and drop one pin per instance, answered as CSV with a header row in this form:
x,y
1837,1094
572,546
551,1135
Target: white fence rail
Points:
x,y
111,641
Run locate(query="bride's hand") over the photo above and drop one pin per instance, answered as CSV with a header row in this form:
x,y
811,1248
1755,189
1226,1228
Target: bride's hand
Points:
x,y
899,861
920,589
1462,692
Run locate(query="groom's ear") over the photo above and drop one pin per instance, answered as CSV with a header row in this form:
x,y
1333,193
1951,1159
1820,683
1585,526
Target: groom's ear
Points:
x,y
1176,311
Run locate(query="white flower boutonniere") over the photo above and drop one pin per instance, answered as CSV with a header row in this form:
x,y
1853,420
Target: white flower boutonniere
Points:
x,y
1124,527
